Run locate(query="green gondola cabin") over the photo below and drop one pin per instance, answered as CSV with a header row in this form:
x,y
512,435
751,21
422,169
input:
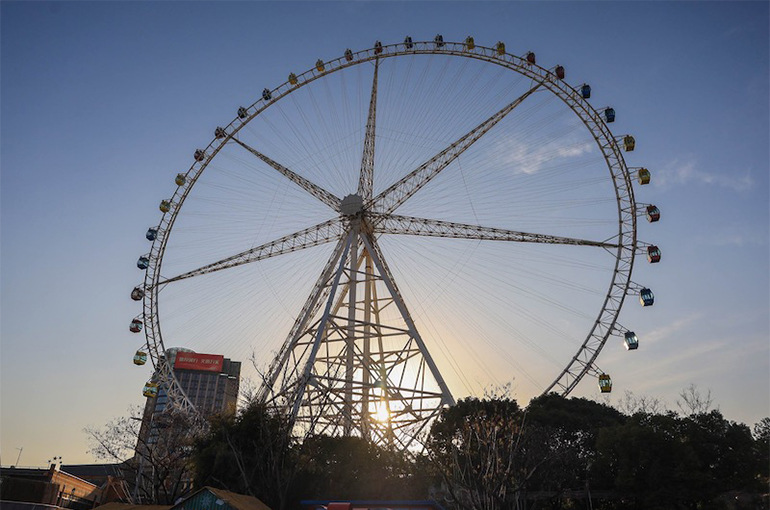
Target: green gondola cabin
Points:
x,y
643,175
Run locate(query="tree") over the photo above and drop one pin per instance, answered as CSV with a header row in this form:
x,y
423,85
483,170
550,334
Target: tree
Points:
x,y
476,446
155,454
252,453
692,401
349,468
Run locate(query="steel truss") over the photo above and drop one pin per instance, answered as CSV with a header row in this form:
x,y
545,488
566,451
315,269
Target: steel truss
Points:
x,y
344,369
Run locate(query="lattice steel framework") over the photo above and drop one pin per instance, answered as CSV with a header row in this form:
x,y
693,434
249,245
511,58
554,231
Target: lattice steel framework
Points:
x,y
342,369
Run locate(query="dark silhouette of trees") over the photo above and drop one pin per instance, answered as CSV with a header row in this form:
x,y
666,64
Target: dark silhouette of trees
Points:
x,y
492,454
252,453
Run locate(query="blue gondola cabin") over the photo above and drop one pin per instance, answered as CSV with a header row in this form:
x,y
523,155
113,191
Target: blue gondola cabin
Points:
x,y
609,114
585,91
631,341
143,262
439,40
408,43
151,234
646,297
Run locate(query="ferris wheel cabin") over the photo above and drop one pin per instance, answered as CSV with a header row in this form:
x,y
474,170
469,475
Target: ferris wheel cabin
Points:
x,y
152,233
653,254
605,383
140,358
631,341
609,114
150,390
585,91
136,326
646,297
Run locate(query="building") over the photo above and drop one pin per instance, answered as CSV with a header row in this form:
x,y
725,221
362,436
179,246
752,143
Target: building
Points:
x,y
54,487
210,381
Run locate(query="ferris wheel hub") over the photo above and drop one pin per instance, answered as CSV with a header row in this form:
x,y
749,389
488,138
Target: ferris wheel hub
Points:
x,y
351,205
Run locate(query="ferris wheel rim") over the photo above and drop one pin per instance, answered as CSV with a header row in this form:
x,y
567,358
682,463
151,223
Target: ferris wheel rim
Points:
x,y
584,360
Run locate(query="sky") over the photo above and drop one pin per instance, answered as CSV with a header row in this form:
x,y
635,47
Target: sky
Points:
x,y
101,104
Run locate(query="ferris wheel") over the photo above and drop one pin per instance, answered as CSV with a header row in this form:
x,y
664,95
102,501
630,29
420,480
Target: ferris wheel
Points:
x,y
395,222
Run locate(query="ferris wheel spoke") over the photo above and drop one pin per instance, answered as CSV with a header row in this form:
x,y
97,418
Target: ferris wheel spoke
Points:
x,y
366,180
394,196
317,191
408,225
319,234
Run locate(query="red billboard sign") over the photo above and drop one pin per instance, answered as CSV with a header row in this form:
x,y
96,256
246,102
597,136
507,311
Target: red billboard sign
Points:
x,y
194,361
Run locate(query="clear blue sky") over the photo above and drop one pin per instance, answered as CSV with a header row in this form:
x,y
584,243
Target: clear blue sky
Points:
x,y
103,103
